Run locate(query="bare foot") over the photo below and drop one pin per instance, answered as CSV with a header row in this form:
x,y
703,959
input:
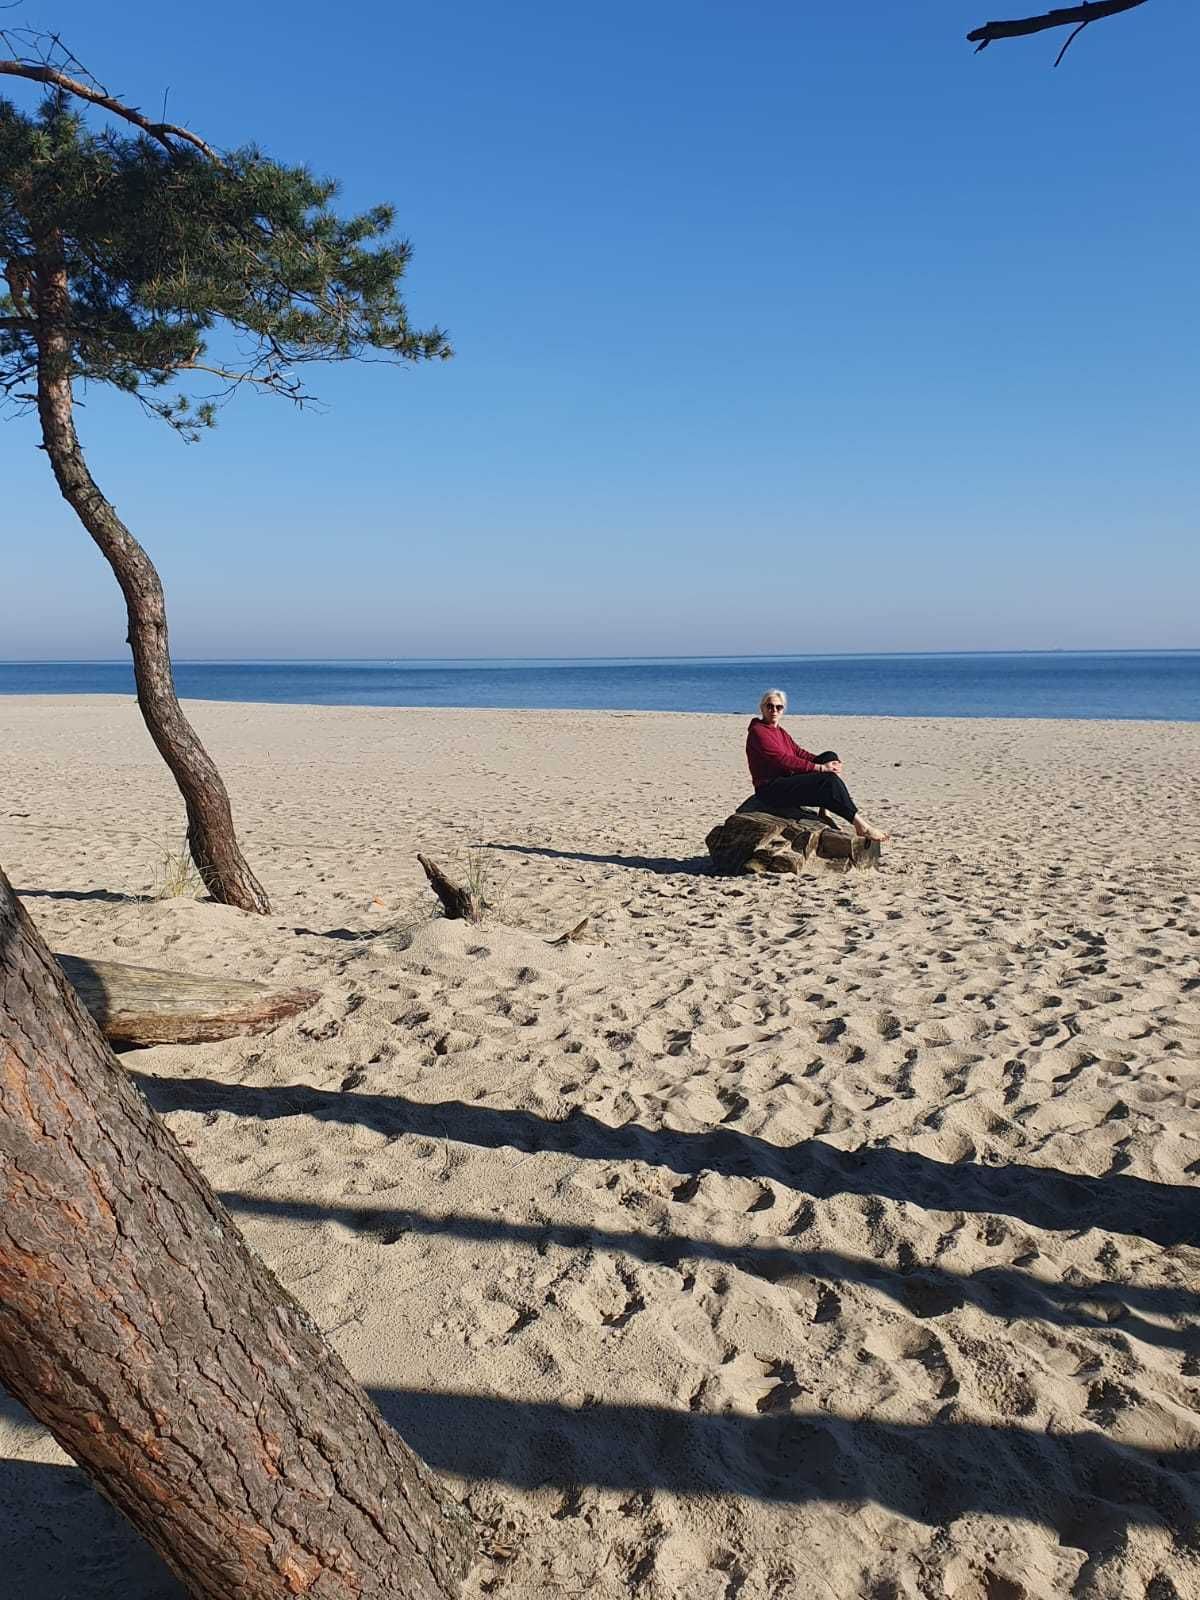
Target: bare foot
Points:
x,y
866,830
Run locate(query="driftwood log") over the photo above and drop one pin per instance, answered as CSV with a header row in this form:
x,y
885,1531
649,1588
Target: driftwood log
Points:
x,y
140,1005
459,903
756,841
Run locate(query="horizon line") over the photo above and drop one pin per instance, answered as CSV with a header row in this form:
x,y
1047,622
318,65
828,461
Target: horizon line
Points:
x,y
820,655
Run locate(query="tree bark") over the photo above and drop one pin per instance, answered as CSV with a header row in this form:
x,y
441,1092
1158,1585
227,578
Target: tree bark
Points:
x,y
211,838
163,1355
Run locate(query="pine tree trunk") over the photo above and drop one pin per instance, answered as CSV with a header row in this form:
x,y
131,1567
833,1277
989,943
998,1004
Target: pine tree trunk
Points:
x,y
163,1355
211,838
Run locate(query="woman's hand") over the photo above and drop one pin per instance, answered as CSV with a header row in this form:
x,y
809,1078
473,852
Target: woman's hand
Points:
x,y
830,766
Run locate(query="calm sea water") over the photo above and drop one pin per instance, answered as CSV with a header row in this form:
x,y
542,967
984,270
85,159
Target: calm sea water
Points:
x,y
1127,684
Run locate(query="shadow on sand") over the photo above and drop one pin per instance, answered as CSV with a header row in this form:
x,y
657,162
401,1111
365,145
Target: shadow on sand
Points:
x,y
1045,1197
107,896
60,1538
1006,1293
1082,1485
63,1538
693,866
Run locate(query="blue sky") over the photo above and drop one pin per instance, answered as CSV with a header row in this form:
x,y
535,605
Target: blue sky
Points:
x,y
779,328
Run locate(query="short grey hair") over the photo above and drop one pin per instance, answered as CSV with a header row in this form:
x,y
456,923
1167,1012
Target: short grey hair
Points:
x,y
772,694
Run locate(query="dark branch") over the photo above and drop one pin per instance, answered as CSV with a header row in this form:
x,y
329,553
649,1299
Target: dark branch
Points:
x,y
1071,37
17,325
459,902
164,132
1089,11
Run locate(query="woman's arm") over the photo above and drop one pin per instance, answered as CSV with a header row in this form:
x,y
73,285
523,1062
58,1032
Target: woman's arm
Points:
x,y
813,763
805,760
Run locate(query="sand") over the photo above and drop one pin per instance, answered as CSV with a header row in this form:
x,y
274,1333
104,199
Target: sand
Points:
x,y
821,1237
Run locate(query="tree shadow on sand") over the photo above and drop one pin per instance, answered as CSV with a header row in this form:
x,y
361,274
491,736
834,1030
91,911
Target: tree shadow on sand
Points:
x,y
1090,1491
1085,1487
60,1538
1044,1197
1006,1293
107,896
693,866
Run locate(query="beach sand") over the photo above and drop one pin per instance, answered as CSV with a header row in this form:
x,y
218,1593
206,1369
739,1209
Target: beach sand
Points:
x,y
832,1236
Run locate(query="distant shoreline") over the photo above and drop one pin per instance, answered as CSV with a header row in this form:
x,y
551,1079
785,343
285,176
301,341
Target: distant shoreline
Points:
x,y
629,660
802,715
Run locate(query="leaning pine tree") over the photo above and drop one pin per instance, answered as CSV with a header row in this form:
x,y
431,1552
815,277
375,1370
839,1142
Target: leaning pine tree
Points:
x,y
126,255
199,1397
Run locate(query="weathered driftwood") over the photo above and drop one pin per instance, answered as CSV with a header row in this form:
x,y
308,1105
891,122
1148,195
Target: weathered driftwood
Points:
x,y
140,1005
755,841
459,903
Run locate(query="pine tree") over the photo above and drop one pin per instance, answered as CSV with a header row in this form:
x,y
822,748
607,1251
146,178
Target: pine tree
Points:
x,y
145,261
164,1356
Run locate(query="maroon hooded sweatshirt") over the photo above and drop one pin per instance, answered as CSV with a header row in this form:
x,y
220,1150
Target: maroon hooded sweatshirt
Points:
x,y
772,754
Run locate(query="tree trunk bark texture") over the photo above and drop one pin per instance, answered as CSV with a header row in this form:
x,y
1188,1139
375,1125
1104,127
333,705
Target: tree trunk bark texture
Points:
x,y
163,1355
211,838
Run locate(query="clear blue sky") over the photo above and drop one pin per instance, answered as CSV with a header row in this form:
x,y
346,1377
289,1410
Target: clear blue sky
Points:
x,y
779,327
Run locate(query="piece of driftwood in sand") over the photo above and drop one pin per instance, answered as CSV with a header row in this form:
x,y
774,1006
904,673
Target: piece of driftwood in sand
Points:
x,y
756,841
459,903
140,1005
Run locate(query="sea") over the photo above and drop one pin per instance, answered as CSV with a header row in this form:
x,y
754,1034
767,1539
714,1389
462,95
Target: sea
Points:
x,y
1142,685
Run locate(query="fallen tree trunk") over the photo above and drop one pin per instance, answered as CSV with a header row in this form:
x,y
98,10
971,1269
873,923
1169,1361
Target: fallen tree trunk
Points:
x,y
140,1005
162,1354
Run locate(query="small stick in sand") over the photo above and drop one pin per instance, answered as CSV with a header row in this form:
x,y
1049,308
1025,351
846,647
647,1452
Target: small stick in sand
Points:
x,y
459,904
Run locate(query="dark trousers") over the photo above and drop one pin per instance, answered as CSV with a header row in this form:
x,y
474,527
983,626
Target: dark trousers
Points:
x,y
809,789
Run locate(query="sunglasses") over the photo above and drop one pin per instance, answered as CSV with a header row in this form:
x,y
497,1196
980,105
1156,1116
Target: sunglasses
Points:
x,y
776,705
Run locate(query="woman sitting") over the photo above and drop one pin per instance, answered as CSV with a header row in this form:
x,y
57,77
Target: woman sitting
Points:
x,y
785,776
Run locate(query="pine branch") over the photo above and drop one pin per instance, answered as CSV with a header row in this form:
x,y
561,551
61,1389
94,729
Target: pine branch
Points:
x,y
11,381
1089,11
166,241
276,382
164,132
